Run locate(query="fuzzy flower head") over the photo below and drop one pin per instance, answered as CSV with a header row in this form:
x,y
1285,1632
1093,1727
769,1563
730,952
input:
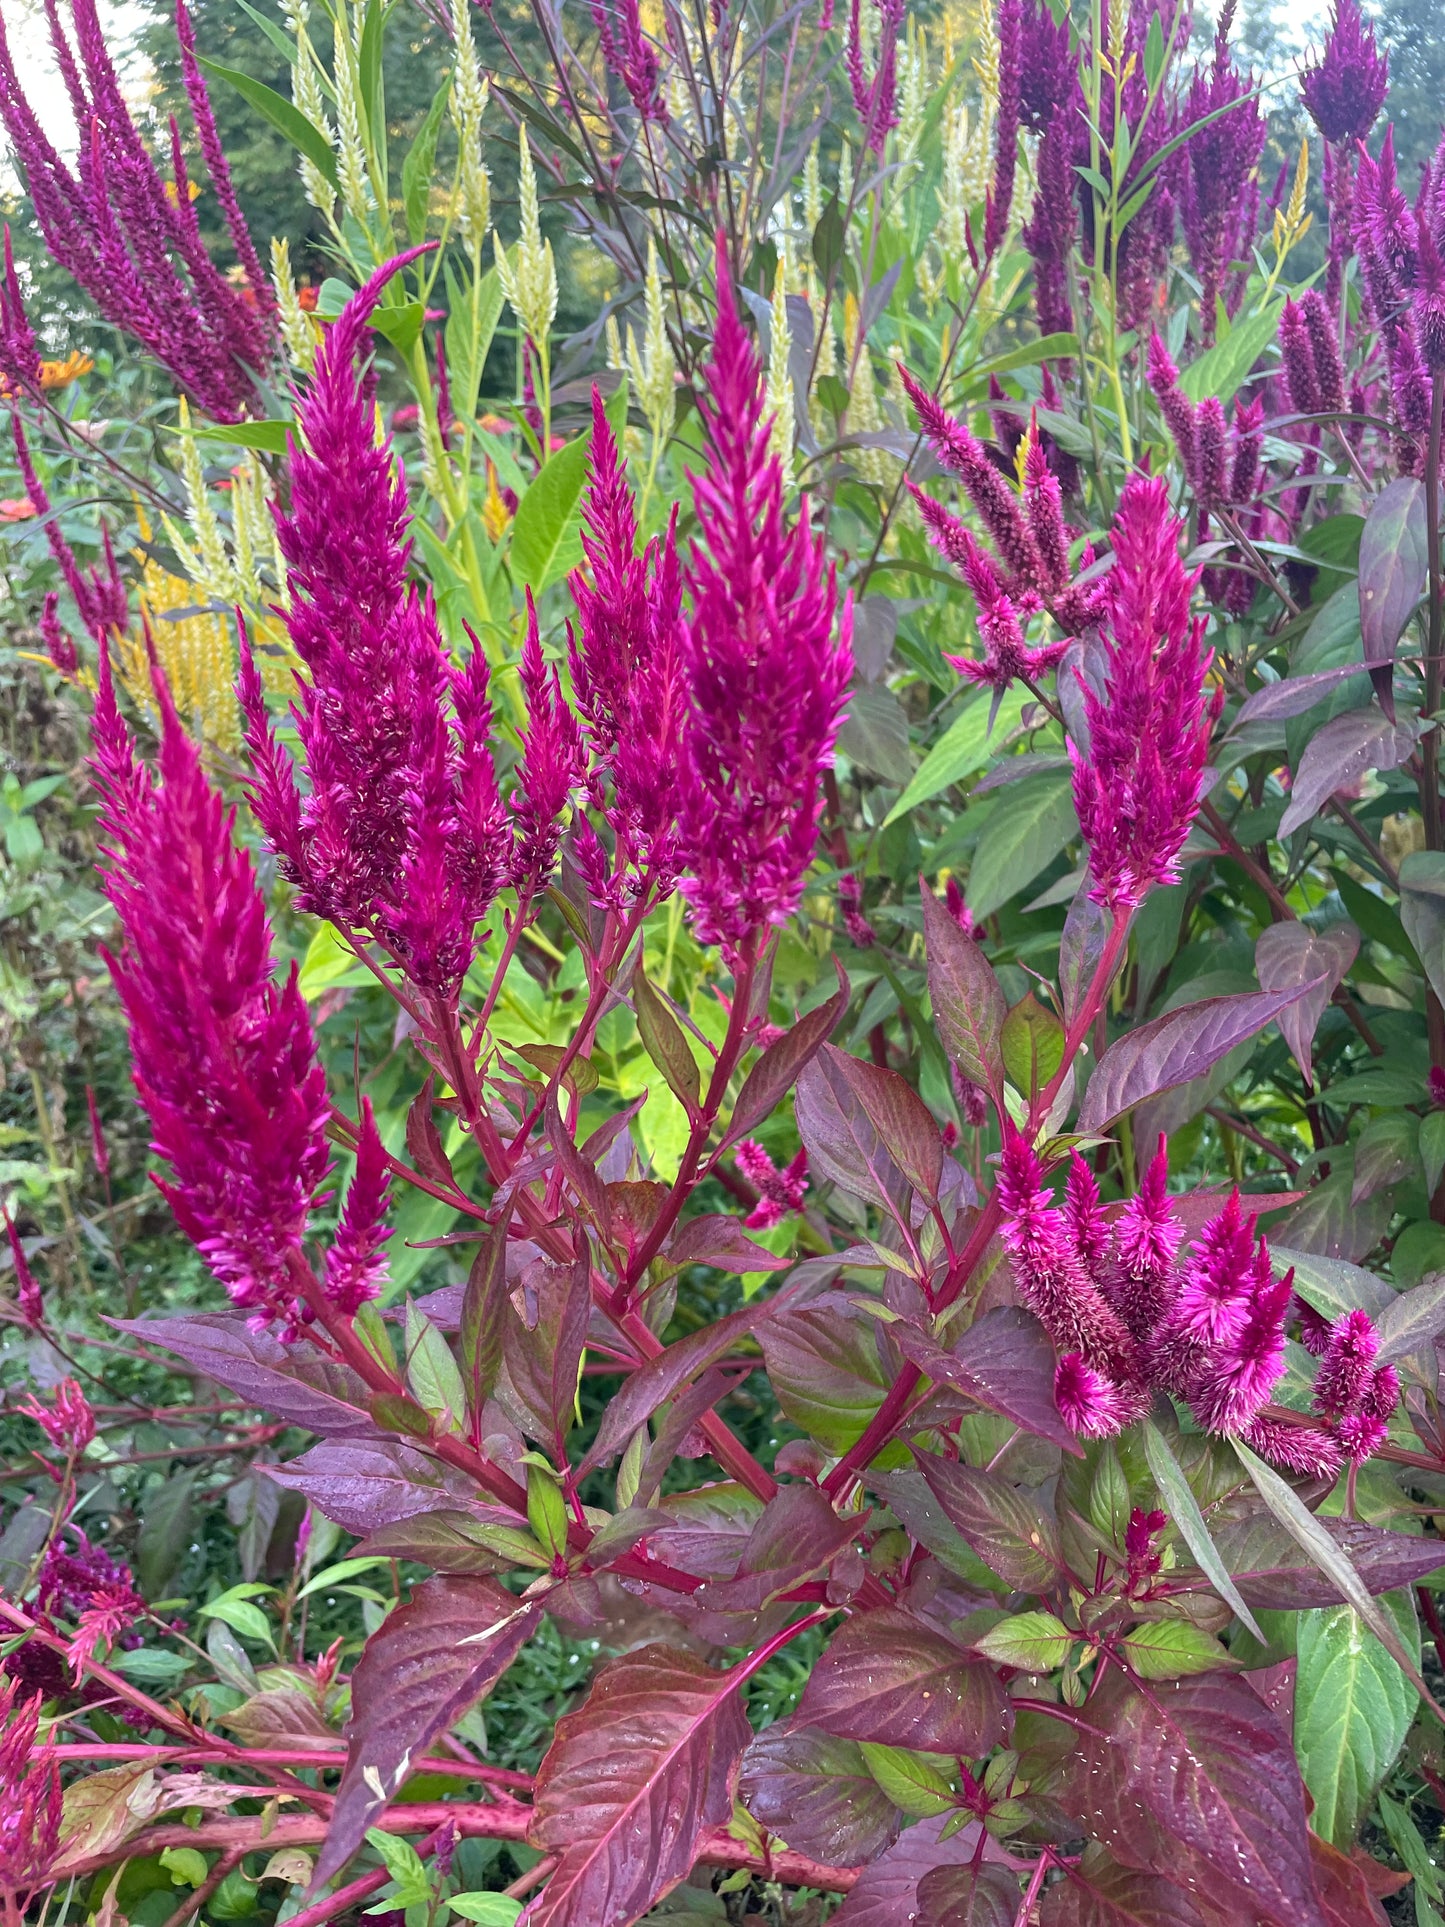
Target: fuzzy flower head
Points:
x,y
29,1303
30,1799
1137,787
779,1191
224,1058
767,659
1216,170
68,1422
630,56
1344,90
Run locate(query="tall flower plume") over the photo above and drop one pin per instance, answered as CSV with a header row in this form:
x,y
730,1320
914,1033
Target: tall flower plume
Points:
x,y
1136,787
133,246
768,658
877,99
630,56
1216,171
1344,90
29,1798
401,836
223,1055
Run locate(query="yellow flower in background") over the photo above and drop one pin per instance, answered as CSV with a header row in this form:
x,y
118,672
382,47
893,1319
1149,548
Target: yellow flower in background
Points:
x,y
193,191
496,516
60,374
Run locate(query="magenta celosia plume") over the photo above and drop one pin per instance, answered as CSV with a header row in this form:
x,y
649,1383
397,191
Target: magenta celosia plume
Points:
x,y
1344,90
30,1798
401,836
1218,195
224,1058
875,98
630,56
768,658
1137,786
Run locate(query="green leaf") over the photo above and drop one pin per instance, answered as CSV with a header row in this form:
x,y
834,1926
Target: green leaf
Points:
x,y
666,1044
488,1910
404,1864
151,1665
910,1780
1021,838
546,1511
401,325
420,164
1352,1709
545,538
289,121
165,1532
1432,1148
186,1866
269,437
1033,1045
431,1372
1183,1509
1034,1642
1172,1649
343,1569
237,1611
1220,369
963,748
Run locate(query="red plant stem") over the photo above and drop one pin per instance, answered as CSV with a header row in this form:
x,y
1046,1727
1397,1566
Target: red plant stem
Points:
x,y
217,1751
1431,1614
1026,1905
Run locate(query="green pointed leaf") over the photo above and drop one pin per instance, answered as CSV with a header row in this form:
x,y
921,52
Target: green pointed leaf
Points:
x,y
1183,1509
912,1781
1352,1709
1034,1642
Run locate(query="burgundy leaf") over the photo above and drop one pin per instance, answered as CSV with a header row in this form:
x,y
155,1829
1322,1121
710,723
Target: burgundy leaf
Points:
x,y
842,1140
661,1378
1181,1045
897,1113
446,1540
581,1172
542,1346
817,1793
707,1529
826,1371
484,1314
631,1781
968,1897
797,1535
1081,950
886,1893
365,1484
1196,1780
1003,1362
424,1140
1272,1572
1290,955
1339,753
1351,1885
1394,556
1005,1528
968,1005
777,1070
690,1405
294,1382
1100,1893
720,1241
1278,701
890,1678
419,1672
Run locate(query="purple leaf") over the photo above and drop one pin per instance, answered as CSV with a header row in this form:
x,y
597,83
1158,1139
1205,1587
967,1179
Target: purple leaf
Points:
x,y
1081,949
777,1070
1394,557
1174,1048
720,1241
1006,1529
890,1678
694,1402
420,1671
1291,955
1339,753
1101,1893
484,1314
841,1138
1003,1362
968,1004
542,1346
1272,1572
899,1115
631,1781
796,1537
661,1378
886,1893
968,1897
365,1484
707,1529
446,1540
581,1173
294,1382
1195,1780
818,1794
1278,701
1411,1319
1422,910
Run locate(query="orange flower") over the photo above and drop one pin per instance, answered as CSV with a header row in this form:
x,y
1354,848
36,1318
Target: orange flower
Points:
x,y
60,374
16,508
306,300
495,425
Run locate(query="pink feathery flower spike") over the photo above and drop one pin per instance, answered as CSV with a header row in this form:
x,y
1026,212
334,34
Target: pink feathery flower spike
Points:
x,y
30,1799
552,765
630,55
69,1423
1217,206
1137,787
356,1262
27,1293
876,99
999,204
779,1192
768,658
402,837
224,1058
99,593
1344,90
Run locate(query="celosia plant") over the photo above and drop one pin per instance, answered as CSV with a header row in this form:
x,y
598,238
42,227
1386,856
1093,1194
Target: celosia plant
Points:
x,y
1004,1303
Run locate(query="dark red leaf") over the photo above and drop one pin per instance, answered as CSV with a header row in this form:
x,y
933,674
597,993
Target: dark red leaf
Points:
x,y
1272,1572
424,1140
968,1897
580,1171
484,1314
842,1141
796,1537
777,1070
817,1793
294,1382
1196,1780
1005,1528
690,1405
968,1005
897,1113
890,1678
1100,1893
445,1540
542,1345
826,1371
1176,1047
1291,954
632,1780
364,1484
1352,1885
886,1893
1394,555
717,1240
1081,950
661,1378
1003,1362
420,1671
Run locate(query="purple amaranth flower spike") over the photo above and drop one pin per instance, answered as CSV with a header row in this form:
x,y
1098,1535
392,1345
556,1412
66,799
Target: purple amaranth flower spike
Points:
x,y
1006,655
223,1056
99,592
1050,1276
1309,350
1006,126
19,354
768,657
552,765
356,1261
630,55
68,1423
1137,789
30,1799
28,1300
627,677
1090,1403
402,837
779,1192
1344,90
876,99
134,248
1353,1394
1217,166
1147,1232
